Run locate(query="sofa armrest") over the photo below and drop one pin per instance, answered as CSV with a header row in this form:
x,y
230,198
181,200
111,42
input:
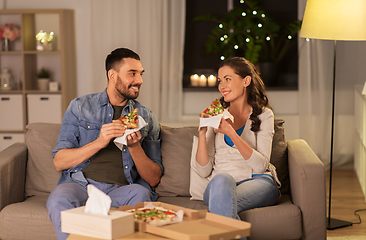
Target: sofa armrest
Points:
x,y
307,183
12,174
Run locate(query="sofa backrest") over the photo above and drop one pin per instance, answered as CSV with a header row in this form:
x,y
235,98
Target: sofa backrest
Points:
x,y
176,147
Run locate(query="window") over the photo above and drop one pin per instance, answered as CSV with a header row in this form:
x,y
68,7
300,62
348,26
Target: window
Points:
x,y
197,32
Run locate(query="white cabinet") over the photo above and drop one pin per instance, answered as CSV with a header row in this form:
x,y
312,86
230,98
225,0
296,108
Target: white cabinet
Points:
x,y
7,139
11,109
44,108
360,137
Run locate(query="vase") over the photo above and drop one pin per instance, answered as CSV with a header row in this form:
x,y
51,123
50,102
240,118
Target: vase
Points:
x,y
43,84
6,79
6,44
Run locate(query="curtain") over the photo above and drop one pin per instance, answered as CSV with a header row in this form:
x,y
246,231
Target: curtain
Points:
x,y
155,30
315,94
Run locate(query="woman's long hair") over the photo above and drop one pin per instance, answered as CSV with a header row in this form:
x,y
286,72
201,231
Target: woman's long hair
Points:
x,y
256,97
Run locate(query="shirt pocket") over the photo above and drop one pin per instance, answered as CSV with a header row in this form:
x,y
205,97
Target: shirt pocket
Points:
x,y
89,131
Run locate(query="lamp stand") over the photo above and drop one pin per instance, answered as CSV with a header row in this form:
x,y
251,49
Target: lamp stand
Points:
x,y
333,223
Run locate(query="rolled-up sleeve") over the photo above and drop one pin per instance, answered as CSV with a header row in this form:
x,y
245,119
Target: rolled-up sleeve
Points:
x,y
69,133
151,142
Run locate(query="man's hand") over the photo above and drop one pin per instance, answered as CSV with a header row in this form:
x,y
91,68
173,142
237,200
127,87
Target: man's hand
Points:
x,y
133,138
110,131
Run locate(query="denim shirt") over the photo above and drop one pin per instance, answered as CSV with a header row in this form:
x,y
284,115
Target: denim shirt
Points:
x,y
82,123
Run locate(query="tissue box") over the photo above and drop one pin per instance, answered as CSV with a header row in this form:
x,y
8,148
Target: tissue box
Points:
x,y
117,224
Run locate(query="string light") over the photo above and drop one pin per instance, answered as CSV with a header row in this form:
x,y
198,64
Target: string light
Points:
x,y
268,38
241,1
263,15
222,58
222,39
289,37
220,25
247,40
260,25
236,46
254,12
243,14
225,36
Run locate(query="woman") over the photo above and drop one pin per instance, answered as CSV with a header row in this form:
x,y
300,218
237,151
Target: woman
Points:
x,y
241,176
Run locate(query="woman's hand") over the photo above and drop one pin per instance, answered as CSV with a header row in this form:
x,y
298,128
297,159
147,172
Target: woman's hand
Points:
x,y
225,127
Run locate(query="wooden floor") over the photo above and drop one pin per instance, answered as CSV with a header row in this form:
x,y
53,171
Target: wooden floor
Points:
x,y
347,197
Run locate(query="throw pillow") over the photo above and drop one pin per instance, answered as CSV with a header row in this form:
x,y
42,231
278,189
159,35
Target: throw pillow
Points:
x,y
42,176
176,145
279,155
198,184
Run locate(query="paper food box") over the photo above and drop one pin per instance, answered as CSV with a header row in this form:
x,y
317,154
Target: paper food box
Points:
x,y
196,225
117,224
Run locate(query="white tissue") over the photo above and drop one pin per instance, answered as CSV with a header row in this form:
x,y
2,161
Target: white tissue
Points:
x,y
215,120
98,202
120,141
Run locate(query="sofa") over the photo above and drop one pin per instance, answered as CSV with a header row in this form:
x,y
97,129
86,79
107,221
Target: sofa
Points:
x,y
27,176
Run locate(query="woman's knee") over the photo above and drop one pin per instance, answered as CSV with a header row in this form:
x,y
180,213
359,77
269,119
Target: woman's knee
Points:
x,y
223,179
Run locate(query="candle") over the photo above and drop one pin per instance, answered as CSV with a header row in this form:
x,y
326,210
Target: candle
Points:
x,y
194,80
202,80
211,80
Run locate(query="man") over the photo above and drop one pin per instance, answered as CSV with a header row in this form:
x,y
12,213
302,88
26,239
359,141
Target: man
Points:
x,y
85,151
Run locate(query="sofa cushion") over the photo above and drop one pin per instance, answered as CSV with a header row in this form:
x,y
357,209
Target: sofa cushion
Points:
x,y
176,145
41,176
27,220
282,221
184,202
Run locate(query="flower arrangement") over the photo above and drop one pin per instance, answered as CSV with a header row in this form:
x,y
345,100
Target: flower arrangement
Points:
x,y
44,40
9,31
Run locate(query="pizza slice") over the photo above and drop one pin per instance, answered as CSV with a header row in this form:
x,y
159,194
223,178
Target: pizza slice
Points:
x,y
130,120
156,214
214,109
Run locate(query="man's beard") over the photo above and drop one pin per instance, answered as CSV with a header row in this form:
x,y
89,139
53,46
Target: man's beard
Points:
x,y
124,91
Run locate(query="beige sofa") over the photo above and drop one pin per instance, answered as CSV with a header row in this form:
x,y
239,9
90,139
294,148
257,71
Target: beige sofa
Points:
x,y
27,177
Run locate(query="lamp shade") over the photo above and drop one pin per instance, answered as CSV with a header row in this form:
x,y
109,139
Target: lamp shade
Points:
x,y
335,20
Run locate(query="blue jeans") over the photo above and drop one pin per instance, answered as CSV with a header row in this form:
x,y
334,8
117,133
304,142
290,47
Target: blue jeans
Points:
x,y
226,197
72,195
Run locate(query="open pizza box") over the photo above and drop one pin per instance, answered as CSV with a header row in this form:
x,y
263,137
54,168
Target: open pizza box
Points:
x,y
114,225
196,225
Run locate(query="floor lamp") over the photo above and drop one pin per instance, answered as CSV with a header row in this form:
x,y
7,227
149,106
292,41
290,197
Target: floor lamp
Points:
x,y
343,20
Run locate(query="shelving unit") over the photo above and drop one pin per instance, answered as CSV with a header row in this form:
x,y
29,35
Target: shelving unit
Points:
x,y
360,137
24,101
